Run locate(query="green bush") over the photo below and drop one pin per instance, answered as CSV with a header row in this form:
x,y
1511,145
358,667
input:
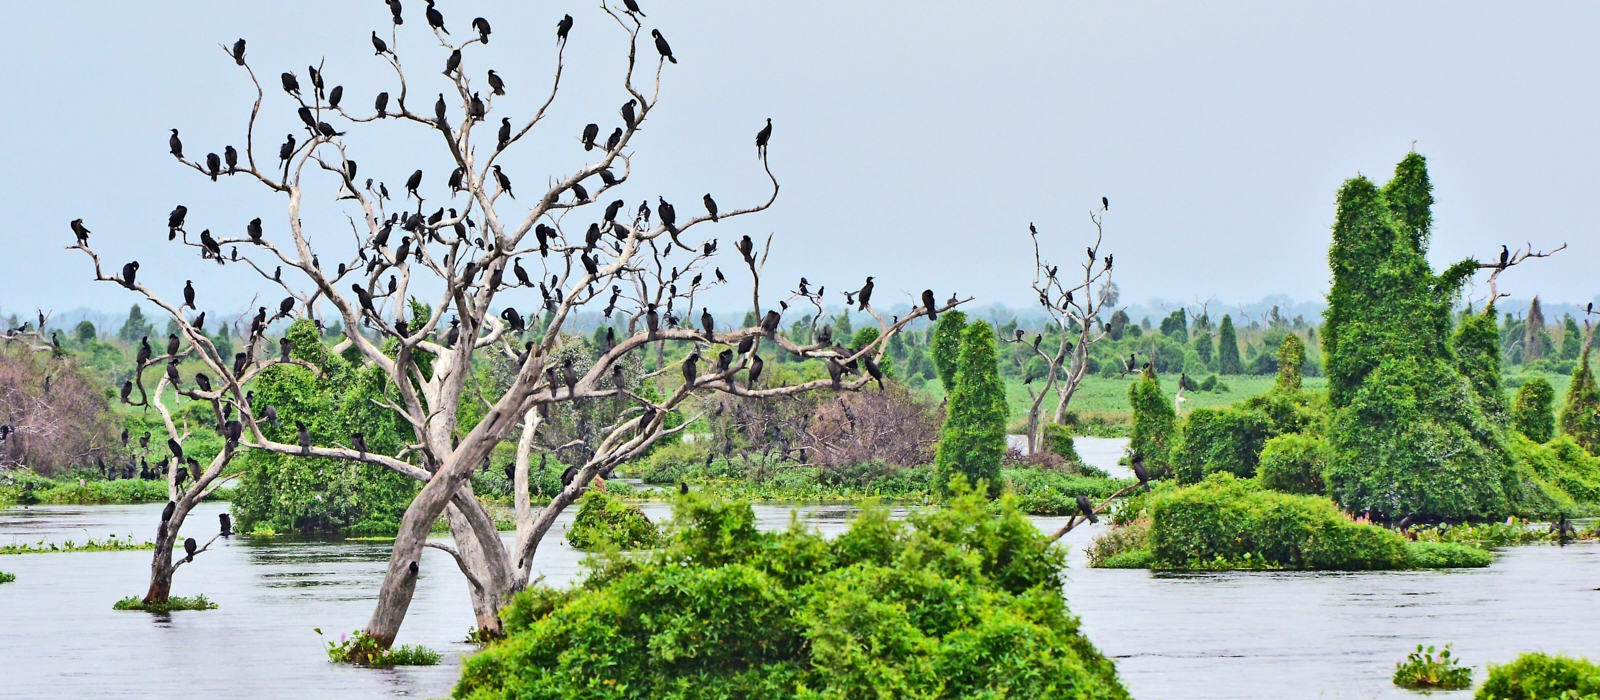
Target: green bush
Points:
x,y
1421,671
673,463
1220,440
358,648
963,601
945,344
198,602
1057,440
603,521
1537,676
1153,424
1445,555
1122,547
1580,414
7,577
1228,348
1293,464
121,491
1531,412
973,440
1559,477
1226,523
1049,492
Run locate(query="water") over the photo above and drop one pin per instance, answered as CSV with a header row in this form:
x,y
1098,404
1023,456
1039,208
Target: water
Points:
x,y
1174,636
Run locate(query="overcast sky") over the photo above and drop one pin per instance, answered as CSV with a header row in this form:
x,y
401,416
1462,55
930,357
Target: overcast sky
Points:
x,y
914,141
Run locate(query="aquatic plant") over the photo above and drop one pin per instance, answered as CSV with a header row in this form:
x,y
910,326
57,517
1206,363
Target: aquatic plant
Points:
x,y
7,577
199,602
358,648
1537,676
961,601
604,520
111,543
1422,671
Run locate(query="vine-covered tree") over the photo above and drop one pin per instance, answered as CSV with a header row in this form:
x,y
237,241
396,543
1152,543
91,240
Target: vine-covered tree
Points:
x,y
1531,410
1291,355
1580,415
1228,361
973,441
1477,348
1154,423
479,250
945,347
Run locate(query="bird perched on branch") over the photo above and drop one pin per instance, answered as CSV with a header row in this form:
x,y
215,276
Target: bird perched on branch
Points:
x,y
864,296
762,136
1086,508
563,27
662,47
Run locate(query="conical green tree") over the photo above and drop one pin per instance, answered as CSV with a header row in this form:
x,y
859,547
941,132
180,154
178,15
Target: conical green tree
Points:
x,y
1477,346
1154,423
1580,416
1531,412
1291,355
974,437
1408,432
1228,348
946,347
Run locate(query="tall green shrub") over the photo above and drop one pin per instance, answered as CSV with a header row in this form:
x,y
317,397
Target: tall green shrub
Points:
x,y
973,441
1540,676
1228,348
1531,410
946,347
1291,355
1571,339
1477,346
1580,416
1154,424
1408,432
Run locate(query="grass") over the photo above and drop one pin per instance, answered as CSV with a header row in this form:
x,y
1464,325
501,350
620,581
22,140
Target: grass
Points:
x,y
109,544
199,602
1422,671
7,577
358,648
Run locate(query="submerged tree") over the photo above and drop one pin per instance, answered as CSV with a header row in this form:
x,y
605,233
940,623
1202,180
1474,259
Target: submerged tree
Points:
x,y
468,254
1074,313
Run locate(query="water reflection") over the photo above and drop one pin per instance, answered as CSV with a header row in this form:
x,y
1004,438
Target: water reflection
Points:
x,y
1174,636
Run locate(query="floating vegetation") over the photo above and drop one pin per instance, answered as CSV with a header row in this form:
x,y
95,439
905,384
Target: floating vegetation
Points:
x,y
199,602
111,543
7,577
358,648
1422,671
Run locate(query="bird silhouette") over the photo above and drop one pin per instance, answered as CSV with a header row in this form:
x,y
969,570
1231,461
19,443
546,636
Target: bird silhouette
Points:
x,y
762,137
662,47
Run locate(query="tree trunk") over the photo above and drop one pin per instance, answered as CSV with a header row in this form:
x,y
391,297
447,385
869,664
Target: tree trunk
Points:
x,y
161,561
400,580
481,551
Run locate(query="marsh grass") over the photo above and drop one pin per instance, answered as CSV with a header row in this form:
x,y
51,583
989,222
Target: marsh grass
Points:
x,y
358,648
1423,671
109,544
199,602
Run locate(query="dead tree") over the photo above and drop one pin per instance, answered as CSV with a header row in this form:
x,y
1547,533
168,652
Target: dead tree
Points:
x,y
471,249
1074,312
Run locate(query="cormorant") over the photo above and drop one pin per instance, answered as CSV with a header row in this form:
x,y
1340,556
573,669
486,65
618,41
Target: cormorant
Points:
x,y
762,136
379,45
496,85
711,205
662,47
865,295
81,232
1086,508
238,52
691,368
589,133
627,113
290,84
360,443
435,19
227,524
482,25
175,144
505,182
928,304
188,295
562,27
305,438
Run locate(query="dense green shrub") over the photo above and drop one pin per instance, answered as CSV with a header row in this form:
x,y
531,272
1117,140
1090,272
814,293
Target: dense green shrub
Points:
x,y
1531,412
358,648
1154,424
1228,348
1220,439
1293,464
1408,433
1052,492
1477,346
963,601
945,345
1559,477
1445,555
1421,671
973,441
603,521
1125,546
1540,676
1226,522
1057,440
1291,355
1580,415
120,491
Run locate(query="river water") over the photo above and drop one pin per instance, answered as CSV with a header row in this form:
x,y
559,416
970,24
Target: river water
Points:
x,y
1236,635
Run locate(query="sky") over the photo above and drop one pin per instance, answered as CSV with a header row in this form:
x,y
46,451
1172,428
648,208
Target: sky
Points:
x,y
913,142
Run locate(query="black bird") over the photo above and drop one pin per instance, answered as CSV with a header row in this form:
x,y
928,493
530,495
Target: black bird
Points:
x,y
172,374
745,345
928,304
567,476
1505,254
762,137
305,438
270,414
381,104
612,209
482,25
189,547
360,443
253,229
865,295
1105,204
669,216
143,355
504,181
709,324
661,46
394,9
691,368
226,523
590,265
286,150
834,371
413,568
724,360
1086,508
81,232
327,131
611,145
452,63
285,346
439,113
230,158
203,381
166,513
413,182
755,370
175,144
213,165
683,488
174,221
711,205
627,113
378,45
579,193
747,249
333,98
306,117
435,19
1140,471
873,370
238,52
290,84
239,361
478,111
175,448
632,7
769,323
522,275
285,306
569,376
496,85
589,133
562,27
652,321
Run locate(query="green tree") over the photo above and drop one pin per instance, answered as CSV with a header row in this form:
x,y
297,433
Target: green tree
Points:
x,y
1571,339
1176,325
1580,416
946,347
973,441
1291,355
85,332
1228,348
1154,423
1477,346
867,336
135,327
1204,347
1531,411
1407,431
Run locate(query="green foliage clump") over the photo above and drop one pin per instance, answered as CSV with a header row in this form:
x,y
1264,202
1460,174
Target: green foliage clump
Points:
x,y
198,602
1559,477
1407,430
1477,346
1580,415
604,521
1230,523
1293,463
945,344
962,601
1291,355
1228,348
1422,671
1125,546
1154,424
1053,492
1531,410
1538,676
290,493
1057,440
1446,555
111,543
358,648
1220,439
973,440
7,577
120,491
